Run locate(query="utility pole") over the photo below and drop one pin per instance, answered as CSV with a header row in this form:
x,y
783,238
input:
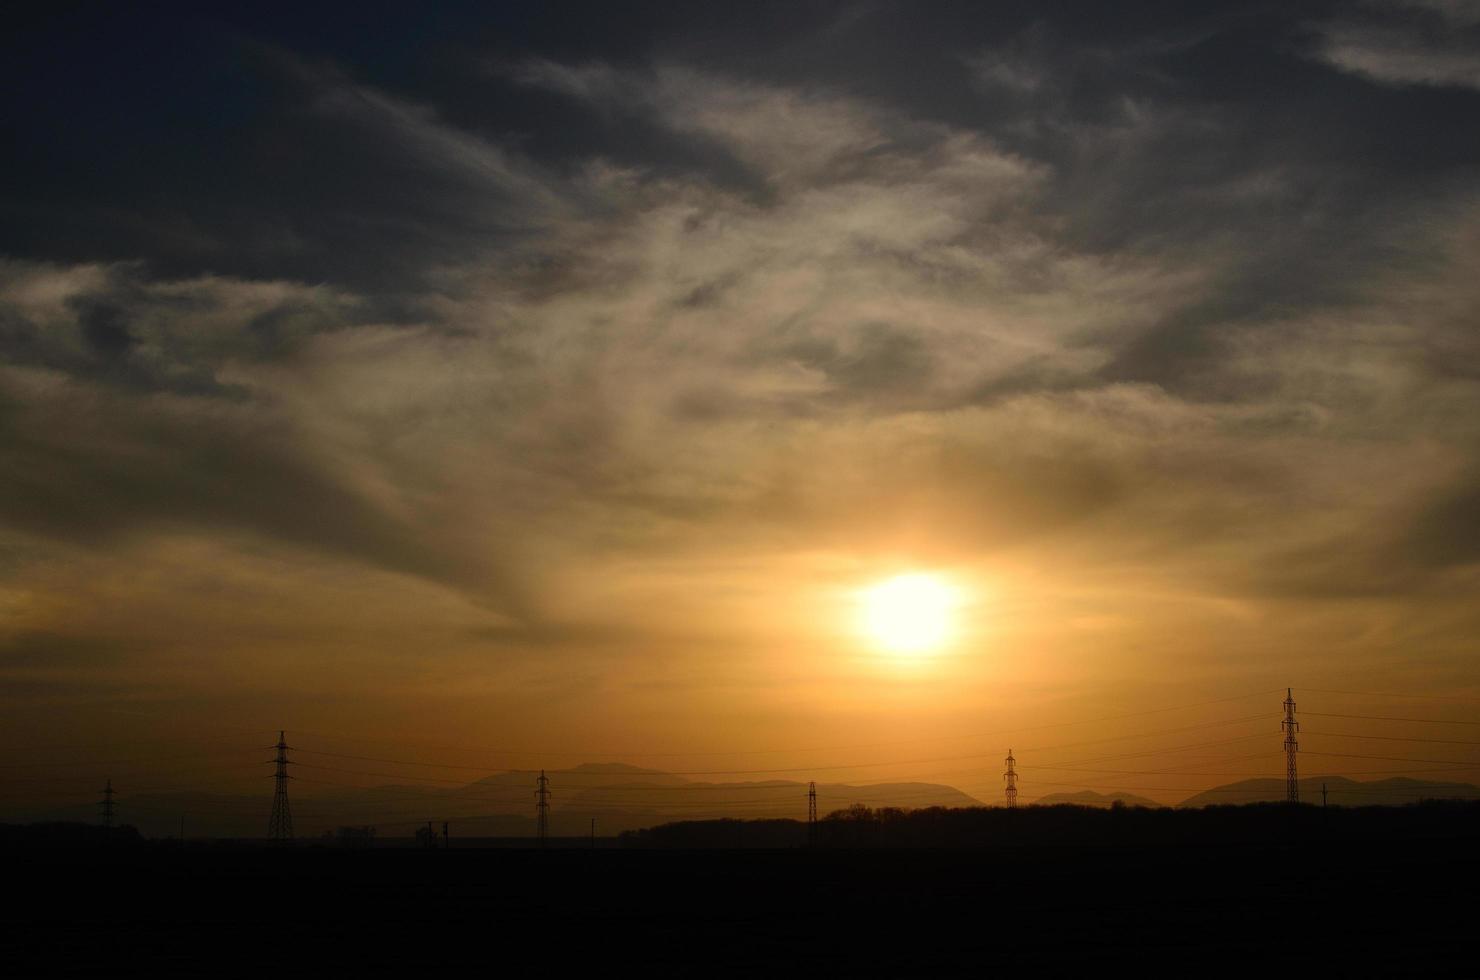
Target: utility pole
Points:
x,y
1323,796
107,804
593,833
1290,726
542,807
280,826
1011,777
446,836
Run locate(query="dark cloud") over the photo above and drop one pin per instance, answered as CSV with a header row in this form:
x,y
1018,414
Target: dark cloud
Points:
x,y
524,303
1432,43
96,470
318,155
117,325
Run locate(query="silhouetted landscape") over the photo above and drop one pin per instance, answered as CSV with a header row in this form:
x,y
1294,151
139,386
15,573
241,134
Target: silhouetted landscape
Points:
x,y
1040,888
618,797
622,798
765,488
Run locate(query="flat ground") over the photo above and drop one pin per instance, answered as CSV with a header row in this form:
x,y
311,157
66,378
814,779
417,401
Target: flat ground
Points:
x,y
1183,909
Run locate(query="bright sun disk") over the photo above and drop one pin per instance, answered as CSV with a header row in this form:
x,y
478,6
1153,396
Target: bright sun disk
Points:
x,y
908,613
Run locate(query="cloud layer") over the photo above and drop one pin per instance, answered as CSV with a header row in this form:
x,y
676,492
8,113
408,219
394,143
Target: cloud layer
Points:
x,y
550,364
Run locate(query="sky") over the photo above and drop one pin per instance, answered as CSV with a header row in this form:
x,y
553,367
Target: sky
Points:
x,y
546,383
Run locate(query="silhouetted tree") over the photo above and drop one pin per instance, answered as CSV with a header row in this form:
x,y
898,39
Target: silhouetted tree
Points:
x,y
360,836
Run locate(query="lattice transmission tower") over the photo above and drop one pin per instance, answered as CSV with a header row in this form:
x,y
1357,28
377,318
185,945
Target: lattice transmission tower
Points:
x,y
1010,776
107,804
812,812
1290,726
542,807
280,826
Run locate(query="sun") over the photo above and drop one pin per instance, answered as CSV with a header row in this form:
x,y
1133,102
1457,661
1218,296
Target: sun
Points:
x,y
909,613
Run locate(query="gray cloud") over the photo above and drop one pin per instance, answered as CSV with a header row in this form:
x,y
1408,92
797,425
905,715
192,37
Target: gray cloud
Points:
x,y
117,325
1172,314
1408,42
897,270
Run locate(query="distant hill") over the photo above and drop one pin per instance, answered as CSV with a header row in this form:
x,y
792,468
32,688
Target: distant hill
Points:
x,y
618,797
1439,824
1340,792
1091,798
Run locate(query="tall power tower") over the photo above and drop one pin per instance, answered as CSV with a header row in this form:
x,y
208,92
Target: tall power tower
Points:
x,y
280,826
1011,778
542,807
1290,726
812,812
107,804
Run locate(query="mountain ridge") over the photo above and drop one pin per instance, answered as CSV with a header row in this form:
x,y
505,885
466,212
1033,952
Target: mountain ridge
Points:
x,y
616,795
620,797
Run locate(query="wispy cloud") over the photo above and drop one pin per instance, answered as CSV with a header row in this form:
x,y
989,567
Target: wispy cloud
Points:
x,y
1408,42
1102,322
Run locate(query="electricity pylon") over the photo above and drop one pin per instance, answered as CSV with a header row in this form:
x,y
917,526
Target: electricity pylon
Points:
x,y
280,826
812,812
107,804
1290,726
542,807
1011,777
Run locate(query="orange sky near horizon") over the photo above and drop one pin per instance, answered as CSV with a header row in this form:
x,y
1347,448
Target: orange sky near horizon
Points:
x,y
524,396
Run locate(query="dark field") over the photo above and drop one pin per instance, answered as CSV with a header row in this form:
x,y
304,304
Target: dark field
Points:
x,y
1325,907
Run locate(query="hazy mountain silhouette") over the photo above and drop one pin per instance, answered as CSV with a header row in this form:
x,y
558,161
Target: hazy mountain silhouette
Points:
x,y
1340,792
621,798
618,797
1091,798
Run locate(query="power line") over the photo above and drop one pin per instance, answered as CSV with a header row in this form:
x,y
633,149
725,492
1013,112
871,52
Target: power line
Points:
x,y
1169,750
429,765
1391,758
514,798
123,762
7,780
1262,716
691,788
793,769
1185,706
491,769
801,769
1232,775
777,802
1395,738
782,795
713,772
1419,721
1080,765
785,804
607,753
1449,766
1236,789
1392,694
